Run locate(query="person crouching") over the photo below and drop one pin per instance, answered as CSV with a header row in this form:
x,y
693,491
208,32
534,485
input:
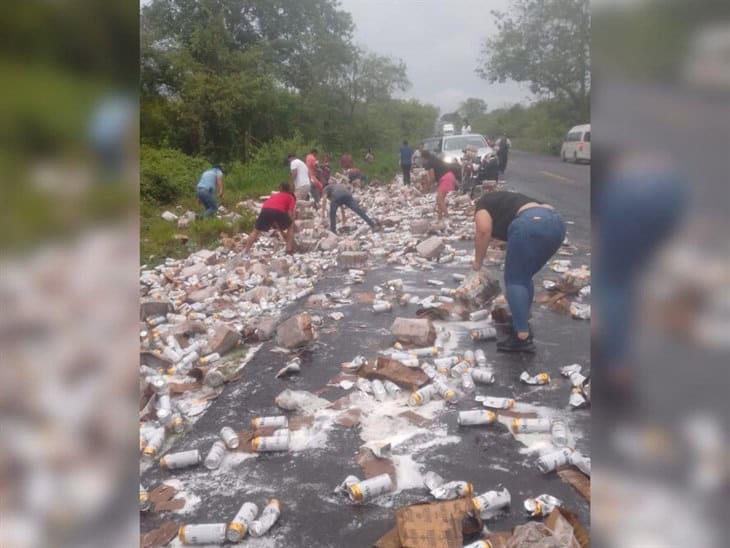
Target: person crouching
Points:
x,y
277,212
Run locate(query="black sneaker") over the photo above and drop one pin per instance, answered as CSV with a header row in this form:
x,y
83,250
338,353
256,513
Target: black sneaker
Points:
x,y
513,344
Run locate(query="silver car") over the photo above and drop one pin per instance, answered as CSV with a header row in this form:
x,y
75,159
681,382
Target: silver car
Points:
x,y
450,148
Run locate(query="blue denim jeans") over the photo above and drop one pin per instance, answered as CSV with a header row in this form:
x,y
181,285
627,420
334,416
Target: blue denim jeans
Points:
x,y
207,198
351,203
532,238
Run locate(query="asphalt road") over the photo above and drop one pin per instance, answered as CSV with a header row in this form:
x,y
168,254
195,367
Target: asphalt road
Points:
x,y
487,457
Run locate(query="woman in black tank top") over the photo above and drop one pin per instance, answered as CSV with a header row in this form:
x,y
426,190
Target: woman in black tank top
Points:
x,y
533,232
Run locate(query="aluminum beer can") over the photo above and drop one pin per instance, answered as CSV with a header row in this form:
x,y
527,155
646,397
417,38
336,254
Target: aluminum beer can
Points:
x,y
266,521
203,533
541,505
154,442
551,461
364,385
262,444
482,376
392,388
163,401
470,358
539,379
453,490
429,370
238,527
483,334
581,462
264,422
183,459
498,403
422,396
577,399
382,306
446,300
443,389
447,292
459,369
525,426
467,382
480,357
210,358
404,299
229,437
436,283
371,488
215,456
427,351
448,361
458,277
479,315
490,501
559,432
379,391
476,417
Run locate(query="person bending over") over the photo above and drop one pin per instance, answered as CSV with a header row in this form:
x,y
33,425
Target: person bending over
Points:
x,y
533,232
277,212
339,195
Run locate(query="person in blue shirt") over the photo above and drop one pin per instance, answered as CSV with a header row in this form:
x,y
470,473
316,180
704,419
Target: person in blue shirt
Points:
x,y
406,154
210,186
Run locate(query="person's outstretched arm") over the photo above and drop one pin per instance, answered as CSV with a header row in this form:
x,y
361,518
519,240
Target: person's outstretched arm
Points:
x,y
482,235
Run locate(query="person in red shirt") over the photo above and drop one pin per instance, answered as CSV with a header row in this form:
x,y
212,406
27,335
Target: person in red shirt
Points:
x,y
316,184
276,212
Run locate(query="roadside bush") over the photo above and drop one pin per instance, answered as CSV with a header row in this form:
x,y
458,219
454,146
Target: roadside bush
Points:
x,y
167,174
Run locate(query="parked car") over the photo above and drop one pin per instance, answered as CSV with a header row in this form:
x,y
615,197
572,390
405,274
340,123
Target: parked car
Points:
x,y
447,129
577,144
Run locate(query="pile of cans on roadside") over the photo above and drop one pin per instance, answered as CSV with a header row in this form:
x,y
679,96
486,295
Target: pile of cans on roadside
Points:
x,y
244,522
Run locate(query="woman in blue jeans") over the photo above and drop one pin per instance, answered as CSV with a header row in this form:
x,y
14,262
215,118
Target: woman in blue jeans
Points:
x,y
533,232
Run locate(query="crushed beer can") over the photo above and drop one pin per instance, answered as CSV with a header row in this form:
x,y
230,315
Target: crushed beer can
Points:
x,y
183,459
453,490
273,422
490,503
371,488
214,458
267,519
567,370
539,379
203,533
581,462
552,461
482,376
229,437
496,403
239,525
476,417
432,480
528,426
577,399
542,505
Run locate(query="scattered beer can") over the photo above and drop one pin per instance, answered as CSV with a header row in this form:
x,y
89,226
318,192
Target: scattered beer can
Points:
x,y
497,403
444,390
459,369
364,385
422,396
404,299
467,382
577,379
371,488
215,456
266,520
559,432
423,352
395,284
429,370
436,283
448,361
577,399
541,505
264,444
581,462
482,376
229,437
379,391
203,533
552,461
470,358
265,422
458,277
478,315
528,426
238,527
183,459
154,442
483,334
392,388
480,357
382,306
453,490
567,370
446,300
210,358
144,499
476,417
539,379
490,502
447,292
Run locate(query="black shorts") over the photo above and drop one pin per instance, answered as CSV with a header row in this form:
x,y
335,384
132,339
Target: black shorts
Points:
x,y
272,218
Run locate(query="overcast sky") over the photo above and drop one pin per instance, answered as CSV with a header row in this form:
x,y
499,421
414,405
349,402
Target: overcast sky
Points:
x,y
440,41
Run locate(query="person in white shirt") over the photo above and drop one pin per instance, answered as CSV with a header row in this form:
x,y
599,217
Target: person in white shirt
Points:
x,y
466,128
299,177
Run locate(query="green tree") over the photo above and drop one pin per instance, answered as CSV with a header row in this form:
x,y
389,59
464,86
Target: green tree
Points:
x,y
472,108
545,43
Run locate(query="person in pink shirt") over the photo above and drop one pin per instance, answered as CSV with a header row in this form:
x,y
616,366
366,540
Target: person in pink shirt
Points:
x,y
317,187
276,212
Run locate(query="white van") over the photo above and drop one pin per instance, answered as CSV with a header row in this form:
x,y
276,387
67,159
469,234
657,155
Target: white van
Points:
x,y
577,144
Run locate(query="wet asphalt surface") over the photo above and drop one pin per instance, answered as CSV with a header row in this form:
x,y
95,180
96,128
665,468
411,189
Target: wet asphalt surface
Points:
x,y
486,456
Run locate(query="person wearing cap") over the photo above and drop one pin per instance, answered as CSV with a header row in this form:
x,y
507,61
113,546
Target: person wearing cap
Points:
x,y
277,212
339,195
534,231
210,185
